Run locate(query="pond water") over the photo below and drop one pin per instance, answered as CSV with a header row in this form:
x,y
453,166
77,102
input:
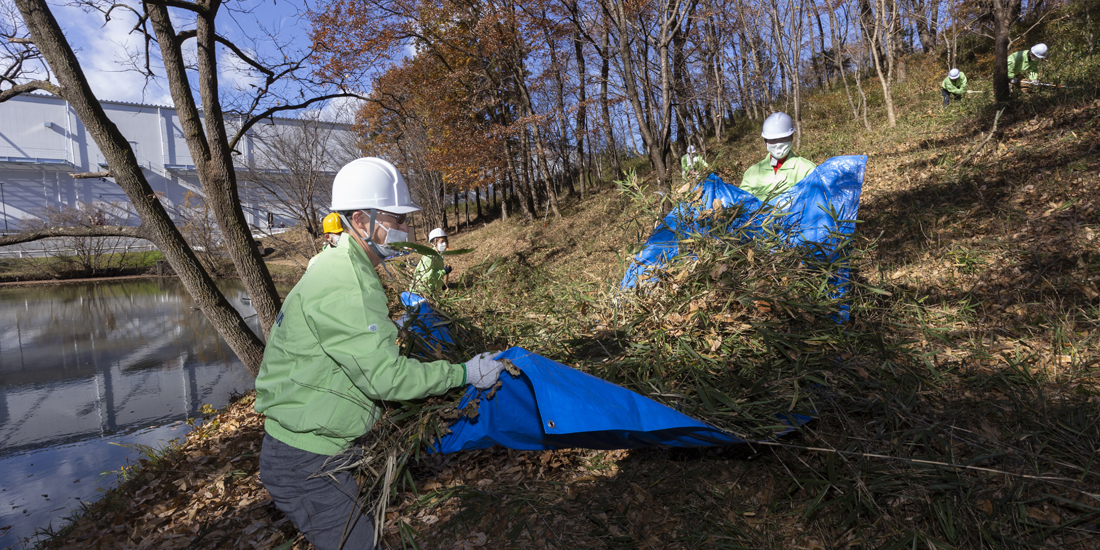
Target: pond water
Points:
x,y
91,371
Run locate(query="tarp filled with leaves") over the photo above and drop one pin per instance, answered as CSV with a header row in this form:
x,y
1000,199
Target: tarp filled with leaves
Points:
x,y
548,405
817,213
424,322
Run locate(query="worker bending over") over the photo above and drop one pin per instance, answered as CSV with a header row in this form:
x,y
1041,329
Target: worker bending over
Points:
x,y
1023,66
332,361
953,87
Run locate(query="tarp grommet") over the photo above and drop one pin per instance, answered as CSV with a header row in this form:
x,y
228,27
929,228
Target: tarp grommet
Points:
x,y
550,423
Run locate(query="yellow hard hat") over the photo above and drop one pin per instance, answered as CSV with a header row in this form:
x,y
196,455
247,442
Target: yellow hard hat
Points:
x,y
332,223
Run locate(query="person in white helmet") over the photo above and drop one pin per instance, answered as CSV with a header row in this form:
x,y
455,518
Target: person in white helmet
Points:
x,y
780,170
332,361
953,87
430,272
692,164
1023,66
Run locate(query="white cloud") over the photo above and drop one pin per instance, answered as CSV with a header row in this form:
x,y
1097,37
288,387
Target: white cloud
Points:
x,y
111,56
341,109
235,74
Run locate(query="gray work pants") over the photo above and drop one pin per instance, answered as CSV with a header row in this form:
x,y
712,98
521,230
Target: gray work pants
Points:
x,y
324,509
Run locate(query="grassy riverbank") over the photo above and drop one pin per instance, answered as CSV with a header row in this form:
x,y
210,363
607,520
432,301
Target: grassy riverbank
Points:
x,y
962,412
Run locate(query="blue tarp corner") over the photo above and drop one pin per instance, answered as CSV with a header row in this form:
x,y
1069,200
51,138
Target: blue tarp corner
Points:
x,y
552,406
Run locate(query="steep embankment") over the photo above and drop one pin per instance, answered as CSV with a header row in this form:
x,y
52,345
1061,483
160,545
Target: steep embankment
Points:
x,y
962,411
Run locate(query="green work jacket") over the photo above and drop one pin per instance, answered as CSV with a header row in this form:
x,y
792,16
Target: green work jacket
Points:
x,y
764,183
957,86
687,164
428,276
332,358
1020,64
312,260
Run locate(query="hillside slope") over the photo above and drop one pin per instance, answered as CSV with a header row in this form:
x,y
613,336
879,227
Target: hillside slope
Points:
x,y
958,408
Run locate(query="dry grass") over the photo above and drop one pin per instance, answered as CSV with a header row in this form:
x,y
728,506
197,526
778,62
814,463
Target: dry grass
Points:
x,y
958,408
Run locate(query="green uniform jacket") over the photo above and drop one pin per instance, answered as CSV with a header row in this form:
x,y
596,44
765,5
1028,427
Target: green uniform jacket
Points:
x,y
686,165
428,276
763,183
958,86
324,247
332,356
1021,64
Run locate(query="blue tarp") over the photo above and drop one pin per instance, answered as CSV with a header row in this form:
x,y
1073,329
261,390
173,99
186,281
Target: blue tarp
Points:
x,y
421,319
552,406
805,214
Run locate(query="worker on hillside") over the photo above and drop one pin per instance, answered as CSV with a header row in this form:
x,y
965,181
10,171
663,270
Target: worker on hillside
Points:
x,y
430,272
332,228
953,87
1025,63
781,170
692,164
332,361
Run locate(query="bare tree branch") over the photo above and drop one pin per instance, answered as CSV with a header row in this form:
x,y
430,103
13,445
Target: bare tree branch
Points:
x,y
90,175
272,110
78,231
183,36
27,87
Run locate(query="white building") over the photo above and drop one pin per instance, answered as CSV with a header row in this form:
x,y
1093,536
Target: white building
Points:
x,y
42,142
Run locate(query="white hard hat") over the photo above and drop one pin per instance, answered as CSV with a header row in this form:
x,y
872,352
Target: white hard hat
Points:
x,y
436,233
691,149
1039,50
371,183
778,125
953,74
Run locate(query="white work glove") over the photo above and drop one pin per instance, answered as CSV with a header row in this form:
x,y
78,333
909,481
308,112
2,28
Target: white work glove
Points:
x,y
483,371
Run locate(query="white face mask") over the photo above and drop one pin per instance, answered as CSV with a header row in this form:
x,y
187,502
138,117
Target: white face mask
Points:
x,y
441,247
392,236
779,150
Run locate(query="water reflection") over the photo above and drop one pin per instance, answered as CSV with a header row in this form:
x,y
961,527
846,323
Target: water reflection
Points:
x,y
81,364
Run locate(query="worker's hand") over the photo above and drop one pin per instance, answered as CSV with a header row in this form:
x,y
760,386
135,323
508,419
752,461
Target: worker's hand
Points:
x,y
447,270
483,371
1015,81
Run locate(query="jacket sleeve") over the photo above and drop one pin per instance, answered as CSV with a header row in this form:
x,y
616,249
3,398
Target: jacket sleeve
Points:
x,y
356,332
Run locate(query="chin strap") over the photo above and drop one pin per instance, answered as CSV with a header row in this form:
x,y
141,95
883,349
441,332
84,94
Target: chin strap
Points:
x,y
370,242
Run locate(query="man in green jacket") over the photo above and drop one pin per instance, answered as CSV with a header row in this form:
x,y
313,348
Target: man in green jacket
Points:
x,y
780,170
332,361
1023,66
954,86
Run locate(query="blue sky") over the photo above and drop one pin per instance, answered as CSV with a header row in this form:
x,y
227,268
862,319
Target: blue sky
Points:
x,y
108,49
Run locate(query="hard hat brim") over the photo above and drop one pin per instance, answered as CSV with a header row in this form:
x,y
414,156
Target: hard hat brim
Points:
x,y
403,209
777,136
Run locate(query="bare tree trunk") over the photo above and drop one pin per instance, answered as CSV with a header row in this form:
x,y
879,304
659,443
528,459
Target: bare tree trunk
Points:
x,y
518,186
821,42
559,82
540,149
875,35
582,107
156,223
839,56
1002,21
605,110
